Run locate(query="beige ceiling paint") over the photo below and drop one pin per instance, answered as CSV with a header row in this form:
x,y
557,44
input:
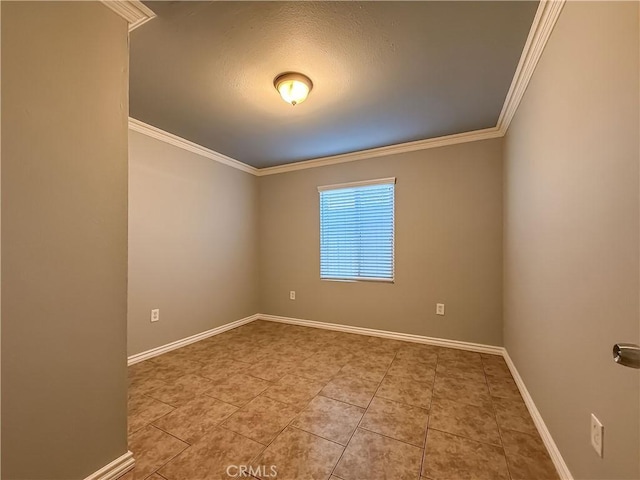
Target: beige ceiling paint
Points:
x,y
383,73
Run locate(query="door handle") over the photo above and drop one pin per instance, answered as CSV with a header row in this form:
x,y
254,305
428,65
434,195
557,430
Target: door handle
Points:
x,y
627,354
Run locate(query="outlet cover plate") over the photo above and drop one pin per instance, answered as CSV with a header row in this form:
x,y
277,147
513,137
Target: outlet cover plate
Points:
x,y
597,435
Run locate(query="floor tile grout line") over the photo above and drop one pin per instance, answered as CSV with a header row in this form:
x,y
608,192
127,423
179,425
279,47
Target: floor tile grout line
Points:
x,y
257,456
363,415
366,409
428,410
310,433
156,400
160,428
343,401
316,435
495,415
426,435
291,426
458,402
488,409
379,383
394,438
173,457
227,429
190,443
171,434
465,437
340,401
289,423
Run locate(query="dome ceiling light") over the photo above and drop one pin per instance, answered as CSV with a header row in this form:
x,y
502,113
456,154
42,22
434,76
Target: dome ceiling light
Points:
x,y
293,87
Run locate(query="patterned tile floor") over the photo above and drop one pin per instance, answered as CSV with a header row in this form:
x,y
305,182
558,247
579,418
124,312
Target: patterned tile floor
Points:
x,y
269,400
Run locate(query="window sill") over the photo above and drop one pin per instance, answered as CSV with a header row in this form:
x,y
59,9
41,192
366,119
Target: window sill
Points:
x,y
360,279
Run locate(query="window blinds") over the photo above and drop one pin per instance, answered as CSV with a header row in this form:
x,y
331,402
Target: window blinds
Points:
x,y
357,230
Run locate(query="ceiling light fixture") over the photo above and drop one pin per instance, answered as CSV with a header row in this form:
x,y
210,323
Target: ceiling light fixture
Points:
x,y
293,87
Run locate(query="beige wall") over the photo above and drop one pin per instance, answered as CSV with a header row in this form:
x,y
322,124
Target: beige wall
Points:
x,y
64,239
448,245
0,245
192,243
571,235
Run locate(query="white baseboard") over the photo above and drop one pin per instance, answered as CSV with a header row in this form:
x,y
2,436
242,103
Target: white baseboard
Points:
x,y
154,352
552,448
115,469
405,337
554,453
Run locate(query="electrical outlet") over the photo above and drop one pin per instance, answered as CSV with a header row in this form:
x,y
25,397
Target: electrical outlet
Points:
x,y
155,314
439,308
597,435
292,295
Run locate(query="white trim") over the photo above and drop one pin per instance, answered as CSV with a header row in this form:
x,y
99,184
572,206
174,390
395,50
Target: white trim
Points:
x,y
170,138
436,142
115,469
326,190
552,448
360,279
154,352
133,11
361,183
176,141
405,337
541,28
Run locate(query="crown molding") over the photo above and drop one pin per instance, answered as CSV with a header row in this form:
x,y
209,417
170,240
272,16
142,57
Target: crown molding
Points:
x,y
133,11
176,141
465,137
541,28
170,138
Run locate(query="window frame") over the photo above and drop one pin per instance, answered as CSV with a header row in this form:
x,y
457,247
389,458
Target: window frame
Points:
x,y
361,183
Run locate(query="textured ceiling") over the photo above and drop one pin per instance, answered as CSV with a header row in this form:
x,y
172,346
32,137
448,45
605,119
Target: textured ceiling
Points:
x,y
383,73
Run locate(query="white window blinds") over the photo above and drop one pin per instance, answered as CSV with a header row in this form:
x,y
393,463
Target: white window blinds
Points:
x,y
357,230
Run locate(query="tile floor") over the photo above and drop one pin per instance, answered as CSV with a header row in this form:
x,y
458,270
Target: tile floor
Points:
x,y
288,402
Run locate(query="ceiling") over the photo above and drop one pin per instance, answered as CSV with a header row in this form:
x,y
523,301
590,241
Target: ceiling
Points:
x,y
384,73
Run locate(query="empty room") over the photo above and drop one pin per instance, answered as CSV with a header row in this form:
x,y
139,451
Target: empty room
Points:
x,y
320,240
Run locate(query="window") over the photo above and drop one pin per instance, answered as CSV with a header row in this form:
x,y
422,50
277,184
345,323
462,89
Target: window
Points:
x,y
357,230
